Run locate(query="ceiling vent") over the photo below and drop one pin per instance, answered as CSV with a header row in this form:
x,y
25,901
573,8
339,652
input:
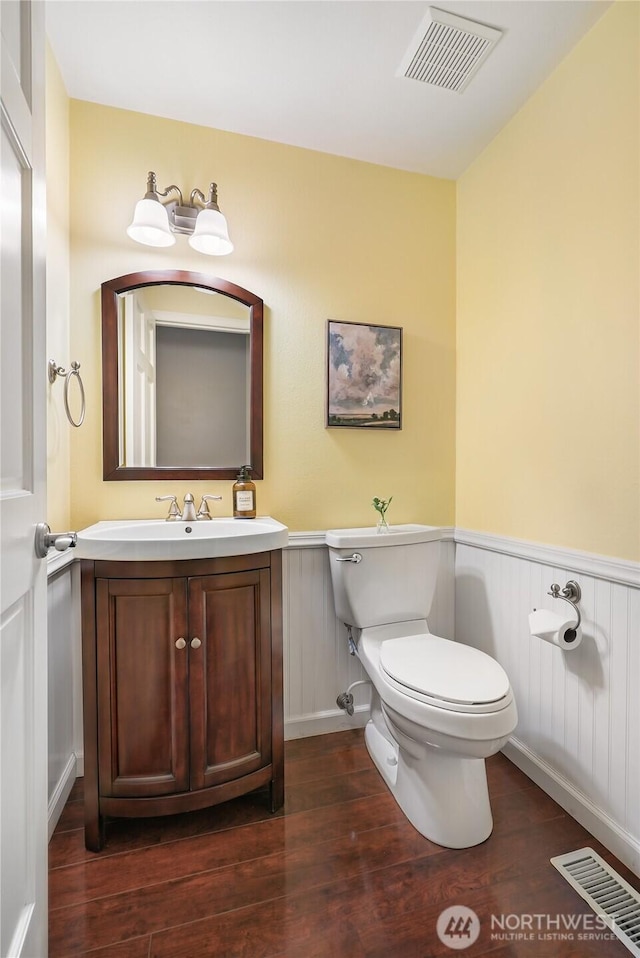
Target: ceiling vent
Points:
x,y
447,50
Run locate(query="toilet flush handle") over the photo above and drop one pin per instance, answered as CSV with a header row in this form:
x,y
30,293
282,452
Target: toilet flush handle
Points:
x,y
356,557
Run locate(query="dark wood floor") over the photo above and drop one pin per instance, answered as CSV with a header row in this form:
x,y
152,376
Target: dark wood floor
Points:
x,y
339,873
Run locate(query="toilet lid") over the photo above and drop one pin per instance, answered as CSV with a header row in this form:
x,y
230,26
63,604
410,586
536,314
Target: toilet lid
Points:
x,y
444,670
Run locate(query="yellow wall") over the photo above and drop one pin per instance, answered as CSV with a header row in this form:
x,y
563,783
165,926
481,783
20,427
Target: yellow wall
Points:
x,y
548,320
317,237
57,161
548,357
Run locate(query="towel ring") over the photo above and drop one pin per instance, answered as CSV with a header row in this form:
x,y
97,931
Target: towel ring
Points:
x,y
54,372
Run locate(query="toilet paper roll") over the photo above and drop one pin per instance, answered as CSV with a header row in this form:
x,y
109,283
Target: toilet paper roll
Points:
x,y
557,629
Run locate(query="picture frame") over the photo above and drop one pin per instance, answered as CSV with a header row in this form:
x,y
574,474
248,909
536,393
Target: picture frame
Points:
x,y
364,376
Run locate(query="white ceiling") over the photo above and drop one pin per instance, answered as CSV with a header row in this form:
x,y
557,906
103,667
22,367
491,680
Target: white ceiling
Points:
x,y
313,73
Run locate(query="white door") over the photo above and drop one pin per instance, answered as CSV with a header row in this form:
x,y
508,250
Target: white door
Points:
x,y
23,638
138,342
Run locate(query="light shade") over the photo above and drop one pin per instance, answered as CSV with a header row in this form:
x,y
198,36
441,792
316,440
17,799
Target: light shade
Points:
x,y
211,234
150,224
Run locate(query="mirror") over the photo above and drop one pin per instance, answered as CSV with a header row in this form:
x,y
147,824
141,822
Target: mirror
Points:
x,y
182,377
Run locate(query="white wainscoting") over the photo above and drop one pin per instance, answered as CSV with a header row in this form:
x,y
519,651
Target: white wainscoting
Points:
x,y
578,734
317,663
64,681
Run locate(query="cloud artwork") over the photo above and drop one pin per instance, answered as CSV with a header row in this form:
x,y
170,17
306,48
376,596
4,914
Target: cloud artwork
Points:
x,y
364,375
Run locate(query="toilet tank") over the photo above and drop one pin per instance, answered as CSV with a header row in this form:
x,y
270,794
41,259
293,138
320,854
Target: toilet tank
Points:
x,y
395,579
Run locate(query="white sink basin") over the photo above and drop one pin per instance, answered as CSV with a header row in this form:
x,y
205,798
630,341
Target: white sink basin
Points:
x,y
142,539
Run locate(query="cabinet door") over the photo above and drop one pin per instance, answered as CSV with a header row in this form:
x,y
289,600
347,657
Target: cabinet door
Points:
x,y
143,734
230,676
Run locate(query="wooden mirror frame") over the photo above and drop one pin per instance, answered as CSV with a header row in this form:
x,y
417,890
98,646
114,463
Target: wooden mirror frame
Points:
x,y
111,467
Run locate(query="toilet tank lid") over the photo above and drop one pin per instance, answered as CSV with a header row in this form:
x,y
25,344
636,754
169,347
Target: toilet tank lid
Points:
x,y
368,536
444,669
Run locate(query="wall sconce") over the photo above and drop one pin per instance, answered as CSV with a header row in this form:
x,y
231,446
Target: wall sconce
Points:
x,y
155,220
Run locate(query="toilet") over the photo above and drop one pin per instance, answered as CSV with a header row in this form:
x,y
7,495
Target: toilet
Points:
x,y
438,708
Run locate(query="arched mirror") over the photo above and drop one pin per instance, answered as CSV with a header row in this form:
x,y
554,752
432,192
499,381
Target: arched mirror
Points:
x,y
182,377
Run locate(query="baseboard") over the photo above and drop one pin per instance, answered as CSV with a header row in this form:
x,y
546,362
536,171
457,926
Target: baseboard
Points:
x,y
577,804
320,723
61,792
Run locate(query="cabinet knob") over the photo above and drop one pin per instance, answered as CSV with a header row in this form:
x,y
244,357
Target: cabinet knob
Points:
x,y
180,643
196,643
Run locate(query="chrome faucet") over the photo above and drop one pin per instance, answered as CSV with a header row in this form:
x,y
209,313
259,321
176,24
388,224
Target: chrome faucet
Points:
x,y
189,513
189,510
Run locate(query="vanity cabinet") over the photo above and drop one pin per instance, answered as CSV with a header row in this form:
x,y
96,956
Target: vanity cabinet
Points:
x,y
182,672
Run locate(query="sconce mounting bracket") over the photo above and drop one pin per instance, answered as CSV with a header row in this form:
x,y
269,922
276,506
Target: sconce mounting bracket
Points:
x,y
182,219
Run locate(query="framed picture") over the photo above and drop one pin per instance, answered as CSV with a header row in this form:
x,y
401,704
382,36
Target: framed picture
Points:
x,y
364,375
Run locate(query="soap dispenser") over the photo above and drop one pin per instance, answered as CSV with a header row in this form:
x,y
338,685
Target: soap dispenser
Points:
x,y
244,495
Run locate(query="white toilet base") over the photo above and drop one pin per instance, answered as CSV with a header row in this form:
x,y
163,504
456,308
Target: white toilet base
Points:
x,y
444,796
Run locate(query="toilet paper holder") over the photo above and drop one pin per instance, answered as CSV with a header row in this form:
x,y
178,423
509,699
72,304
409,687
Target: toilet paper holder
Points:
x,y
572,593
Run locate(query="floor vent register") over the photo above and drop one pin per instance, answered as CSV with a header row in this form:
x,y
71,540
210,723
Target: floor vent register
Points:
x,y
608,894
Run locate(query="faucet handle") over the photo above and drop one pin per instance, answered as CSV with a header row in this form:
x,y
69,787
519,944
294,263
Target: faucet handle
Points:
x,y
203,511
174,512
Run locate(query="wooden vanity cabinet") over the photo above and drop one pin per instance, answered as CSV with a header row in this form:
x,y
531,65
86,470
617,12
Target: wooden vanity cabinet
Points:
x,y
182,673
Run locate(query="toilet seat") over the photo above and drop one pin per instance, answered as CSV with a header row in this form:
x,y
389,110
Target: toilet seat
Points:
x,y
445,674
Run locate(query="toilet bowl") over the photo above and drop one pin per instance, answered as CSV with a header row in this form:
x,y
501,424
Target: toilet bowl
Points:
x,y
438,708
431,729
